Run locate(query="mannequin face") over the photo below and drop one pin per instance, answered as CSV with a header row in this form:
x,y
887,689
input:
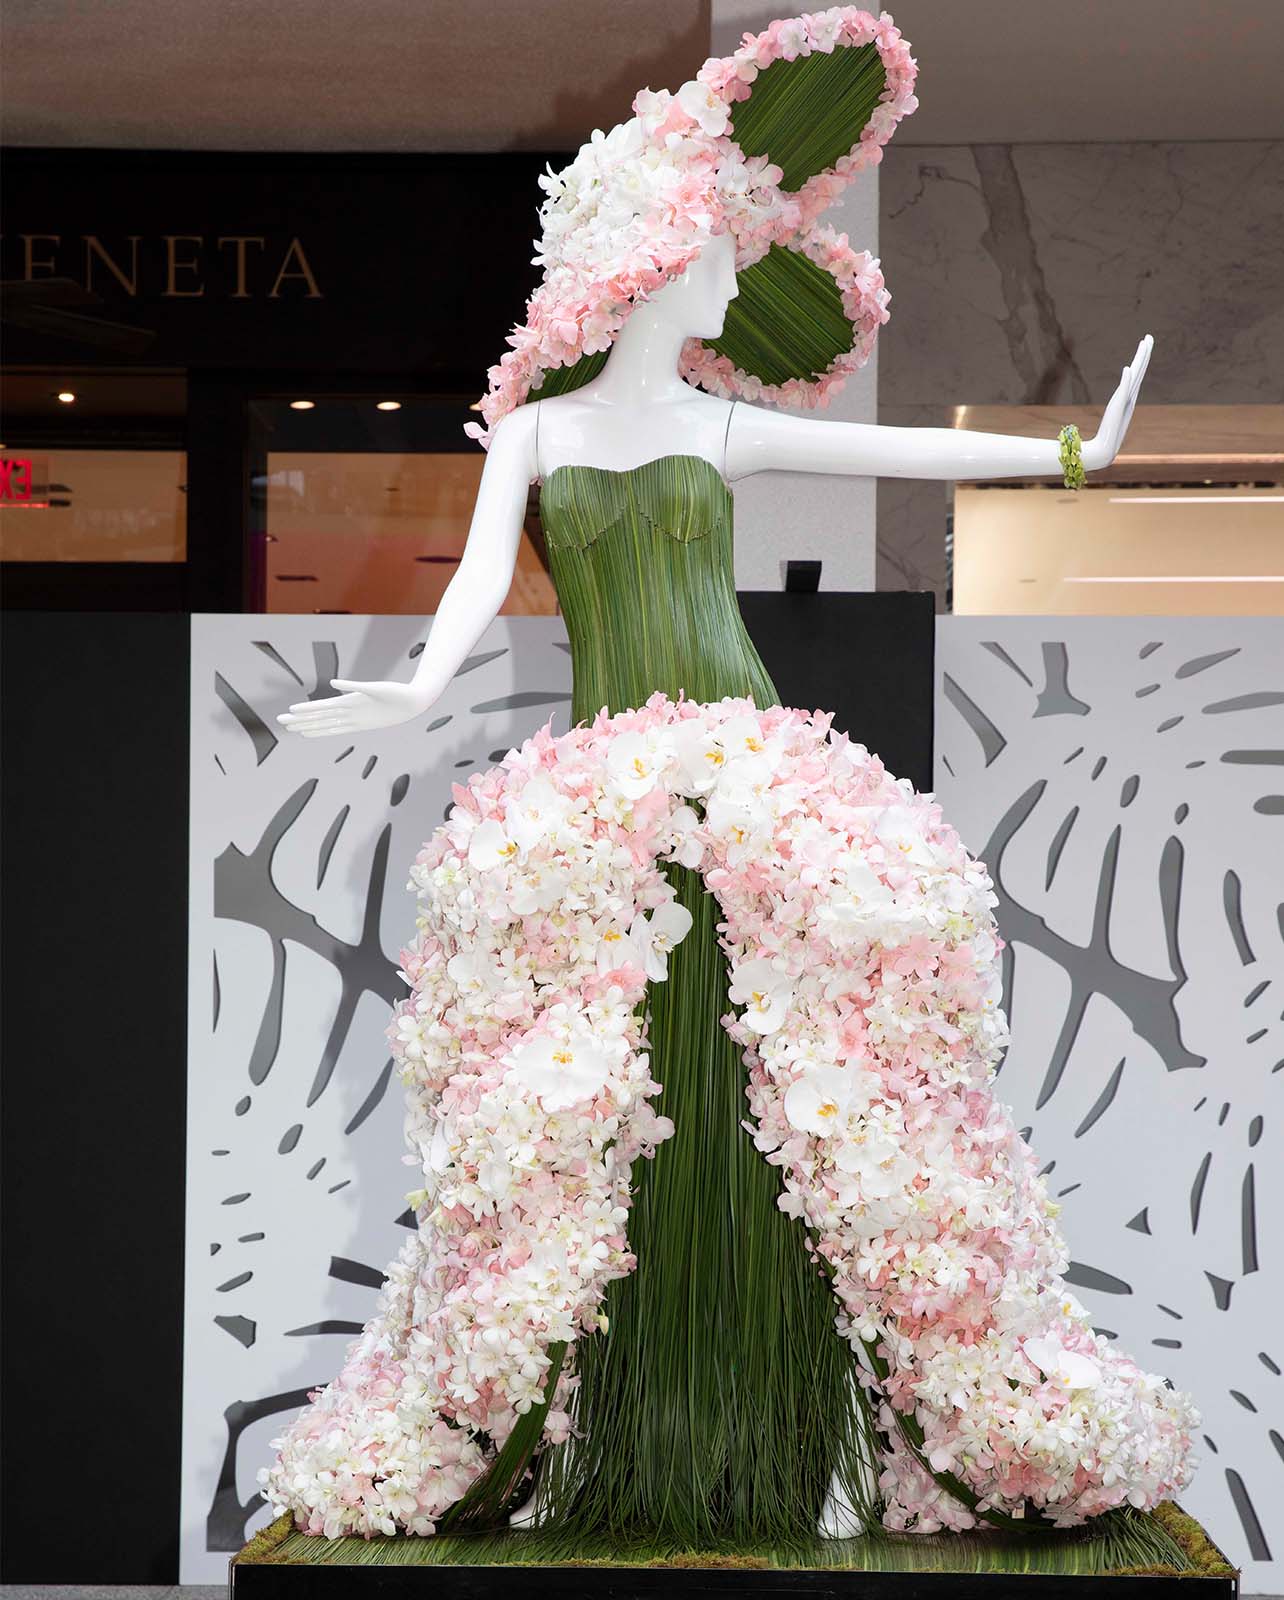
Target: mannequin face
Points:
x,y
696,303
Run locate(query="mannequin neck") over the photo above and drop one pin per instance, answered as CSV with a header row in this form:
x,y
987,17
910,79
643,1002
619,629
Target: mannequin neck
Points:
x,y
643,363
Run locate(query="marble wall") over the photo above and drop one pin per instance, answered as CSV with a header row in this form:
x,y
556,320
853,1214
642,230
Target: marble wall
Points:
x,y
1026,273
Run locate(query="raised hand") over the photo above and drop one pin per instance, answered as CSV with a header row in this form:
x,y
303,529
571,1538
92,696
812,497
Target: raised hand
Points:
x,y
359,708
1103,447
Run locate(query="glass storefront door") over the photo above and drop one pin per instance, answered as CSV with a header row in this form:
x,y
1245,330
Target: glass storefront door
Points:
x,y
93,477
362,503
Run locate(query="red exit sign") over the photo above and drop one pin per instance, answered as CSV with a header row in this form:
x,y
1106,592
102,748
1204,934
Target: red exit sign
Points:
x,y
22,485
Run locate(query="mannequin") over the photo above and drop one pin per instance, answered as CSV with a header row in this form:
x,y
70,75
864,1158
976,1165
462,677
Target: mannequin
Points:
x,y
639,409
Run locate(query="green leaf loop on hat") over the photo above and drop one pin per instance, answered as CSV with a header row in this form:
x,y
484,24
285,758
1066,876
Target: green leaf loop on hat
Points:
x,y
773,133
787,321
805,115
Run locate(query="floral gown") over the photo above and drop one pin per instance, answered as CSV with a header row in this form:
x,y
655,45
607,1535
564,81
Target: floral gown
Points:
x,y
718,1203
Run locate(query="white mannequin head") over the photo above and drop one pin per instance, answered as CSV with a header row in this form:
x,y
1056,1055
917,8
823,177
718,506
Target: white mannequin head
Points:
x,y
695,303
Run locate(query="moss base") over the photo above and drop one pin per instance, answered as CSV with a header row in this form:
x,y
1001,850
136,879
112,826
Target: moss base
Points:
x,y
1163,1543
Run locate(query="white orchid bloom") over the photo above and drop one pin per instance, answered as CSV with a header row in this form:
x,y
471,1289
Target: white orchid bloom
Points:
x,y
1066,1368
687,850
541,887
495,1175
876,1167
764,993
534,812
700,755
635,762
858,904
438,1156
562,1072
740,820
743,737
618,949
900,832
488,845
703,106
474,972
820,1100
655,936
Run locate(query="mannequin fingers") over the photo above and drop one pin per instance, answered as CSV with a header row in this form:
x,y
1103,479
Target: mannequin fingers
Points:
x,y
302,707
299,724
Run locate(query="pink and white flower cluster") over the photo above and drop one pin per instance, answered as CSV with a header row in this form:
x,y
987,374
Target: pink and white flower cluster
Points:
x,y
864,973
638,204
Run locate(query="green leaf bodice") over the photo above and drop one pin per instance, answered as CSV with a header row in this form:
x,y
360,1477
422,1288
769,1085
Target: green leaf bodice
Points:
x,y
642,563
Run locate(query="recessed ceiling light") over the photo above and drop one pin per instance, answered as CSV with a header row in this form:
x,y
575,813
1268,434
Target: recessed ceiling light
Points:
x,y
67,397
302,405
388,405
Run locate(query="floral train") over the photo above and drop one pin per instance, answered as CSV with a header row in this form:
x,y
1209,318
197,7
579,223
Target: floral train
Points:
x,y
864,966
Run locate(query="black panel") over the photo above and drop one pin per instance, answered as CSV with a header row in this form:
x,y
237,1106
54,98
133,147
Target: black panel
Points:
x,y
866,657
95,956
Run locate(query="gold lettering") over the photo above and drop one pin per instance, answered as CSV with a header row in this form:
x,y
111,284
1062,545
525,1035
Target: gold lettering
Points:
x,y
30,262
240,240
93,247
303,270
173,266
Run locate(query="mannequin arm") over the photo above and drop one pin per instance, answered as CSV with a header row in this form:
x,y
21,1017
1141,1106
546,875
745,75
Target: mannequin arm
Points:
x,y
761,441
468,607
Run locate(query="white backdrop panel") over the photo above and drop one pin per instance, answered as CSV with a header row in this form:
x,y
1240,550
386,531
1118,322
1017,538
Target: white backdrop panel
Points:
x,y
1123,778
300,852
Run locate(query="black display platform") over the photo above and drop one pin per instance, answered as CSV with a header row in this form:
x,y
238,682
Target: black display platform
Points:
x,y
258,1582
688,1583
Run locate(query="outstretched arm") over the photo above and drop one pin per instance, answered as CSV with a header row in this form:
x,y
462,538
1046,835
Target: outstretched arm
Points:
x,y
468,607
761,441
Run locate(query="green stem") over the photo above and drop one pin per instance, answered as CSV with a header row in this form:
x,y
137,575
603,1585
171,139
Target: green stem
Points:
x,y
911,1431
492,1494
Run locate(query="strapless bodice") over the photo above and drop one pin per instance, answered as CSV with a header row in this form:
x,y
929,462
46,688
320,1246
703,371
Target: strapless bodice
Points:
x,y
642,560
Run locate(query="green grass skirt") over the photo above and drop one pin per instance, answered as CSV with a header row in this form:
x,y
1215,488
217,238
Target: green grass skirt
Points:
x,y
721,1398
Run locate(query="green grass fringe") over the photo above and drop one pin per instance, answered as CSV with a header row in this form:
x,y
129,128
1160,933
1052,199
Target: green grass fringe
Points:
x,y
1166,1542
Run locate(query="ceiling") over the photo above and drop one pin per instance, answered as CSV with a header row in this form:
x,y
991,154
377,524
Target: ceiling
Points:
x,y
1027,71
389,75
385,75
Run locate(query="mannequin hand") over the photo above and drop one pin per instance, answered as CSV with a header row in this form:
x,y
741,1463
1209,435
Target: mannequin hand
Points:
x,y
362,707
1103,447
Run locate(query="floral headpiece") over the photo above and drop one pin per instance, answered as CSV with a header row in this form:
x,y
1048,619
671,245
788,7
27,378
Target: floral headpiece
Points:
x,y
758,143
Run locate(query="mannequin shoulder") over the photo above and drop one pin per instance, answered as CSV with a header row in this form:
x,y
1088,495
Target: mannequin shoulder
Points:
x,y
512,442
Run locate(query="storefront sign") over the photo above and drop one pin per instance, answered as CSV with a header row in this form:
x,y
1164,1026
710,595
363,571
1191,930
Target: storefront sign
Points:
x,y
415,265
174,266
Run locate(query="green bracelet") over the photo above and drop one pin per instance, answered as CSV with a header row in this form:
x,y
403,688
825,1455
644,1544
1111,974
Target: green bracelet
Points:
x,y
1071,459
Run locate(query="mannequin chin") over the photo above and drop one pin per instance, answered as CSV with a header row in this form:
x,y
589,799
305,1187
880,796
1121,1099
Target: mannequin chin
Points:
x,y
696,302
